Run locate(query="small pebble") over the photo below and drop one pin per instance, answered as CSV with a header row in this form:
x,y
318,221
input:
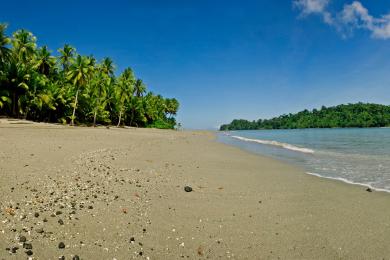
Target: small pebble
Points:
x,y
61,245
187,189
29,252
22,239
36,214
61,222
27,246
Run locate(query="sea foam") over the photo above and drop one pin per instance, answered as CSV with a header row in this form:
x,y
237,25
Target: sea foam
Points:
x,y
348,181
275,143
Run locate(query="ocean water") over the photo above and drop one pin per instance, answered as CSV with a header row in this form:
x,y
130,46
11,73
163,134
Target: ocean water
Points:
x,y
358,156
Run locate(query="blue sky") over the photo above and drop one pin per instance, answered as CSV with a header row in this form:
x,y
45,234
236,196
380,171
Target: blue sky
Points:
x,y
228,59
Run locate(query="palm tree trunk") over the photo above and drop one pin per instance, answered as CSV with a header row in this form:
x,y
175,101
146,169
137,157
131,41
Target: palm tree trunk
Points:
x,y
132,116
14,100
120,117
94,118
74,107
27,110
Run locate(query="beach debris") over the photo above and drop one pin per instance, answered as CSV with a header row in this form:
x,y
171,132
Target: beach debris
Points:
x,y
10,211
187,189
369,189
39,230
200,251
27,246
61,245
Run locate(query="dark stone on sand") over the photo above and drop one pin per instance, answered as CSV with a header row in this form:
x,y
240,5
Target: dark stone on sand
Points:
x,y
76,257
369,189
132,239
7,248
61,222
14,249
29,252
141,253
22,239
61,245
61,258
27,246
58,212
187,189
90,207
36,214
39,230
45,220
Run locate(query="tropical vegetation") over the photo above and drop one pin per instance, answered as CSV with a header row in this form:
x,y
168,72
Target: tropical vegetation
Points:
x,y
350,115
73,88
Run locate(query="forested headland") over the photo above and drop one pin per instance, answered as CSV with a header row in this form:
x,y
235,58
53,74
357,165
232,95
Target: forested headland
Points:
x,y
349,115
73,88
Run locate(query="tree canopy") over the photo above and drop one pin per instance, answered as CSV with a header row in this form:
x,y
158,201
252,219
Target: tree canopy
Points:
x,y
73,88
350,115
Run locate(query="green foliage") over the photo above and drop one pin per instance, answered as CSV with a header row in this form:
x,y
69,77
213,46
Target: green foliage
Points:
x,y
350,115
36,85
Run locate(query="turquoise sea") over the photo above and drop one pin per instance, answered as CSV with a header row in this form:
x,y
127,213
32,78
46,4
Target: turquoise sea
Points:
x,y
358,155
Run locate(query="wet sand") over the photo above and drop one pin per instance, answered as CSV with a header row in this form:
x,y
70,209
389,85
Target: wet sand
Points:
x,y
119,194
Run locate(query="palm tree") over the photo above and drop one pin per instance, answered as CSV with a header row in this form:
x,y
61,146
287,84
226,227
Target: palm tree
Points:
x,y
67,55
24,45
108,67
139,88
78,74
44,61
5,52
100,88
125,90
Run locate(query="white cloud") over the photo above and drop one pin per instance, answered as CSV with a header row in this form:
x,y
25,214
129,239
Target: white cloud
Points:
x,y
311,6
308,7
353,16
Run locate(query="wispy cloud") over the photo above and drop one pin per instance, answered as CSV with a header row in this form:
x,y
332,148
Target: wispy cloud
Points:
x,y
318,7
352,17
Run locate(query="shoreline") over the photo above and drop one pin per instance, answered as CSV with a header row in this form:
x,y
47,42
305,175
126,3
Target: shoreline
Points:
x,y
121,195
348,182
338,179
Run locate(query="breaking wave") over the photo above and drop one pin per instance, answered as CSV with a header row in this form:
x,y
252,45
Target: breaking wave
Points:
x,y
275,143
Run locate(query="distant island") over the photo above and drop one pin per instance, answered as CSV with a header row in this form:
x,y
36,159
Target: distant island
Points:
x,y
73,88
349,115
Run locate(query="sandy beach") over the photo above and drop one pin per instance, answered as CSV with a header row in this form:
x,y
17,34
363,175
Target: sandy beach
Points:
x,y
100,193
